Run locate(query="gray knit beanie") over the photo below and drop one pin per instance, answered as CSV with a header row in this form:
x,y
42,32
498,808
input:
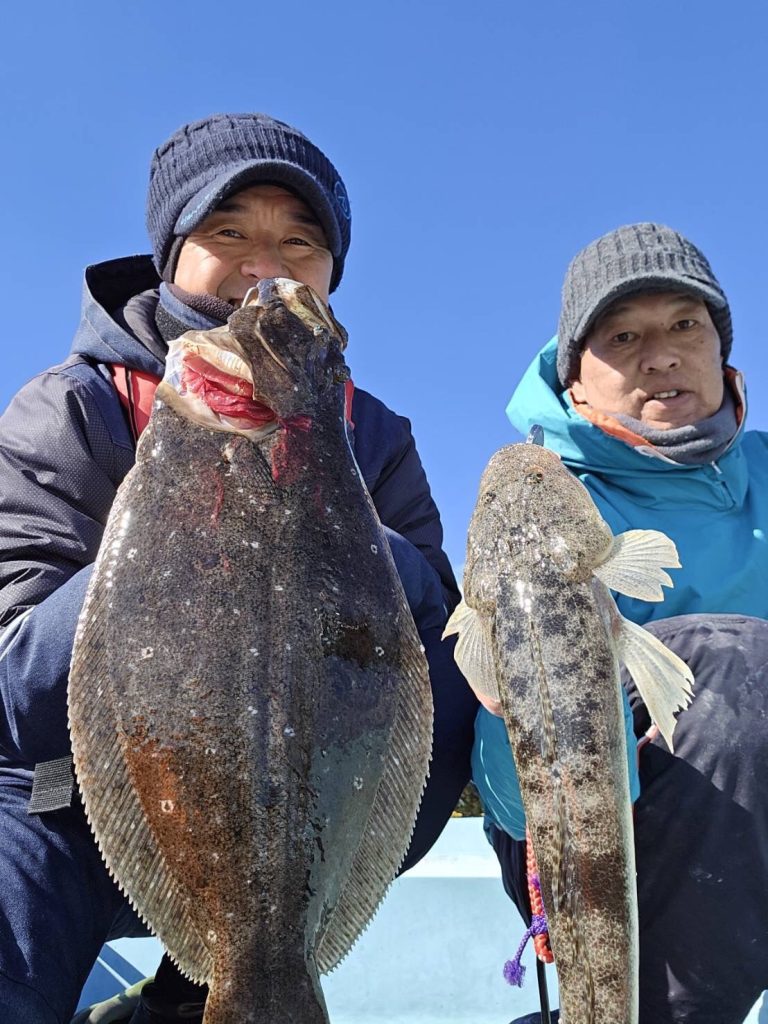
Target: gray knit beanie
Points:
x,y
635,258
206,161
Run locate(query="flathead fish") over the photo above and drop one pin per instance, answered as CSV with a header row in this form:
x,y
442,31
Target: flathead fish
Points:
x,y
249,701
540,633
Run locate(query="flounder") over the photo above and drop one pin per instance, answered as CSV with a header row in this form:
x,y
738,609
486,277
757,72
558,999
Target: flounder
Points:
x,y
249,701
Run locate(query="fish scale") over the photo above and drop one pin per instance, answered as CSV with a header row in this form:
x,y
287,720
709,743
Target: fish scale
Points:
x,y
249,701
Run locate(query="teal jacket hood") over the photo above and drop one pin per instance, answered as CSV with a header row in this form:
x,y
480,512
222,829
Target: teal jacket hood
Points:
x,y
716,513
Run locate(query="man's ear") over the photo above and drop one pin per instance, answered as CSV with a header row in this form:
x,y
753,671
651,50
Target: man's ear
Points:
x,y
579,392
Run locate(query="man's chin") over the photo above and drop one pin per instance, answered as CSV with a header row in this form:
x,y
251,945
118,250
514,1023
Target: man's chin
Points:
x,y
666,425
667,422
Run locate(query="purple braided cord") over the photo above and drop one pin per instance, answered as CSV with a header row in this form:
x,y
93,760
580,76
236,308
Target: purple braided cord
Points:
x,y
514,972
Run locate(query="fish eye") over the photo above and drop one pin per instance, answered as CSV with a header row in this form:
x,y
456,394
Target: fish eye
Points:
x,y
534,476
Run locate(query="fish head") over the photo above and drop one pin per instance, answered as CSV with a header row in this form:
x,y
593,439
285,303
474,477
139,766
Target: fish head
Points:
x,y
531,511
280,356
293,344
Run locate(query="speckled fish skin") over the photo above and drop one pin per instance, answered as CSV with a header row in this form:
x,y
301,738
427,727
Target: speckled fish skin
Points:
x,y
250,705
534,538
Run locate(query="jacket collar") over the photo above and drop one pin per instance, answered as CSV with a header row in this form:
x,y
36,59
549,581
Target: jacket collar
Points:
x,y
107,287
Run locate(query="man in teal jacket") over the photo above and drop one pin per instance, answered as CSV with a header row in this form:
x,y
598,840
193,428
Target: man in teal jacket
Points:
x,y
636,395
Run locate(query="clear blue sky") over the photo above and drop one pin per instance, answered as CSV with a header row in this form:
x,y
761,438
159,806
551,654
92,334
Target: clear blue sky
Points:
x,y
482,144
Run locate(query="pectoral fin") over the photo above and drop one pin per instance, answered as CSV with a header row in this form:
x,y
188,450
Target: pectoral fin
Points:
x,y
636,562
663,680
474,652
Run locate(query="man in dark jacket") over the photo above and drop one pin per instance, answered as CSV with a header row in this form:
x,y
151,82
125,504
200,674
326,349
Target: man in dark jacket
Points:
x,y
232,199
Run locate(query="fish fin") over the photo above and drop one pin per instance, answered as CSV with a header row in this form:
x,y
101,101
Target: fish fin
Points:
x,y
663,680
130,851
112,806
474,652
393,811
636,562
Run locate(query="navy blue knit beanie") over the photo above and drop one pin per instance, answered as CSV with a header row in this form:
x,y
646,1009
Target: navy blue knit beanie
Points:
x,y
206,161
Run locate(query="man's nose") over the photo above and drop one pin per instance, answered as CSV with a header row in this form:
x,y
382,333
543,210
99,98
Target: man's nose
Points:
x,y
261,262
659,355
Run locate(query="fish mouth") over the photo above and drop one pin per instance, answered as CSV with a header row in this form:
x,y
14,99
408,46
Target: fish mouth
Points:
x,y
301,300
293,342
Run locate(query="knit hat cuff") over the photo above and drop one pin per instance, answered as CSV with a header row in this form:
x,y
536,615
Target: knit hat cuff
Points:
x,y
650,283
249,172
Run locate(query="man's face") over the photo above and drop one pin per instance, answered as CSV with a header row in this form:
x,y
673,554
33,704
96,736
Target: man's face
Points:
x,y
263,231
655,357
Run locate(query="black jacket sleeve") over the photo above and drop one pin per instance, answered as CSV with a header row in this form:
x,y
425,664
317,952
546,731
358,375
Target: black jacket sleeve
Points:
x,y
391,467
64,449
387,456
62,457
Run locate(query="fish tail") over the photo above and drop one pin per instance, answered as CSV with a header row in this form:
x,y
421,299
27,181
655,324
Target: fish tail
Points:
x,y
284,999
